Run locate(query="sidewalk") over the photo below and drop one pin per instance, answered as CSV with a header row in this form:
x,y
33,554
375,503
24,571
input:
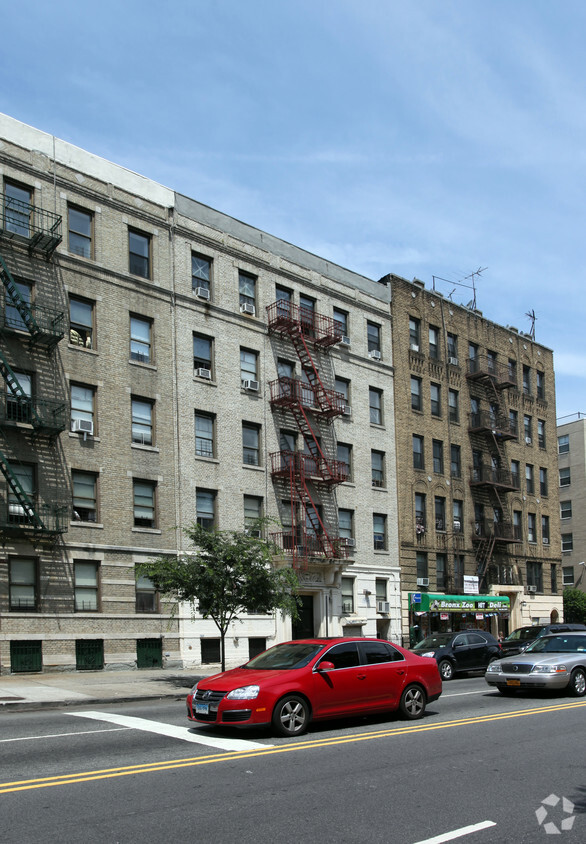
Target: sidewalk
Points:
x,y
36,691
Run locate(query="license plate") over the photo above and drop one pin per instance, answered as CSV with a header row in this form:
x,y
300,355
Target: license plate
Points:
x,y
202,709
513,682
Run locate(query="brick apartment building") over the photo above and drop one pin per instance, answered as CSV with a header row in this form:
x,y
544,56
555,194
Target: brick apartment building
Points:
x,y
571,440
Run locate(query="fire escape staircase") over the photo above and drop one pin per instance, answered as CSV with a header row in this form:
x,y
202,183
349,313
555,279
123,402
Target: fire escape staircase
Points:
x,y
24,505
45,327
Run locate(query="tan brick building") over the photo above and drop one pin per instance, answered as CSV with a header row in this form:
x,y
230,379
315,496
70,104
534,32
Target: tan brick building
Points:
x,y
476,454
571,440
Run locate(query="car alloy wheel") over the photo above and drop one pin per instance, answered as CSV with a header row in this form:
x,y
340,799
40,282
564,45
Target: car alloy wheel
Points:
x,y
291,716
578,682
413,702
446,669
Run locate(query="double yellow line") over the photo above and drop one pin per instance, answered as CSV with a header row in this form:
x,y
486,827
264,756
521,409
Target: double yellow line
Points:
x,y
173,764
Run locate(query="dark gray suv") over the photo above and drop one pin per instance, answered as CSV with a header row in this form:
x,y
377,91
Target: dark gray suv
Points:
x,y
468,650
519,639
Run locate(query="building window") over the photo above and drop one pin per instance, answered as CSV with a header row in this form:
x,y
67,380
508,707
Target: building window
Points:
x,y
528,429
80,232
81,323
535,575
252,515
86,586
146,597
530,486
540,381
204,434
422,565
345,522
416,393
12,317
565,477
23,584
202,355
140,339
567,576
543,481
441,572
375,399
435,396
85,496
205,501
458,573
18,410
142,421
373,337
201,272
250,444
452,347
567,542
247,291
516,474
473,354
458,515
344,455
454,405
514,422
248,365
440,513
438,457
434,342
341,319
545,530
541,433
512,371
491,362
210,651
347,595
377,462
380,589
342,386
526,380
139,253
420,513
517,524
455,461
564,444
414,334
418,453
18,200
82,408
144,504
379,529
531,528
565,509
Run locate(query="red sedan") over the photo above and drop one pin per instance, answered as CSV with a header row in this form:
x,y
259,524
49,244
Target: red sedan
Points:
x,y
296,682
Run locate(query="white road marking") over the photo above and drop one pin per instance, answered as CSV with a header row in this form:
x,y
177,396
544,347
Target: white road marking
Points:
x,y
458,833
62,735
459,694
161,729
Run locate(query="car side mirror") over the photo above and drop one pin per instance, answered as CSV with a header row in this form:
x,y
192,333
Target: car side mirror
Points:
x,y
326,666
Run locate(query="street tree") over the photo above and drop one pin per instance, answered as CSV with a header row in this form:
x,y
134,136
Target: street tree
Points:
x,y
574,605
223,575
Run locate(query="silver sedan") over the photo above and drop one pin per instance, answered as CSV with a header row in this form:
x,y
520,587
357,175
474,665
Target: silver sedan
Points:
x,y
557,661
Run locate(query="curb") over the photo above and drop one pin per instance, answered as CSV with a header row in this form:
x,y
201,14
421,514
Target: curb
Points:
x,y
32,705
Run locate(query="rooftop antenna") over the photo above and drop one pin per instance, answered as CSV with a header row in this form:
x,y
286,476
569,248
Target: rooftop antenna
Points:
x,y
471,277
533,318
451,294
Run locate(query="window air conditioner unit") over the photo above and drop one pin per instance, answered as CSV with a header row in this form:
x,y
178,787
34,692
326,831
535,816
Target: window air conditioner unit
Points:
x,y
250,385
203,373
423,581
350,542
202,293
383,606
247,308
528,440
532,588
545,540
374,354
82,426
414,347
345,341
346,606
347,410
454,361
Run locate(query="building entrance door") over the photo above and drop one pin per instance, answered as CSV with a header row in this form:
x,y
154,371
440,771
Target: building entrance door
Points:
x,y
303,628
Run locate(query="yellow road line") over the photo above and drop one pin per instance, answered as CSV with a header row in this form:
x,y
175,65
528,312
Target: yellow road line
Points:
x,y
172,764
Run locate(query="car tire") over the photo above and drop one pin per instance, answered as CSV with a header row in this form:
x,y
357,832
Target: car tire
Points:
x,y
577,684
291,716
446,670
413,703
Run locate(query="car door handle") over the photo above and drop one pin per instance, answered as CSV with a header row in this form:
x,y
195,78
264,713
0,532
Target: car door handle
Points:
x,y
361,676
400,671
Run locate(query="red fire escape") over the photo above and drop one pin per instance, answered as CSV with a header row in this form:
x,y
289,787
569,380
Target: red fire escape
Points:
x,y
310,476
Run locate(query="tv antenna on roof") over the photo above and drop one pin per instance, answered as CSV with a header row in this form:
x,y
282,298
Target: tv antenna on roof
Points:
x,y
533,318
469,278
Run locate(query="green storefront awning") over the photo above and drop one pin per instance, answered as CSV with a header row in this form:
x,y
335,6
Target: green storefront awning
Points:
x,y
457,603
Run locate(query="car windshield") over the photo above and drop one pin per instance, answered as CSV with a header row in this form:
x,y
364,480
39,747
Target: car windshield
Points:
x,y
288,655
436,640
558,645
524,633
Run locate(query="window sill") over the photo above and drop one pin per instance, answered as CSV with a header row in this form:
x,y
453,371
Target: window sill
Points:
x,y
147,530
208,381
79,348
253,467
381,552
380,488
140,447
205,459
96,525
378,425
79,435
143,364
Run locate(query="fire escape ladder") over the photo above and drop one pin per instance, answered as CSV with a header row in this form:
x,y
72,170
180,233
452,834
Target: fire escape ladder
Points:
x,y
18,302
16,389
484,556
311,509
25,505
323,466
310,369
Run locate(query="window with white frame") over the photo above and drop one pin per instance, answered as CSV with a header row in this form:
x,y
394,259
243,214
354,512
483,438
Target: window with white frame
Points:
x,y
248,366
567,542
201,272
565,476
565,509
247,290
563,444
375,400
141,339
82,406
142,421
567,575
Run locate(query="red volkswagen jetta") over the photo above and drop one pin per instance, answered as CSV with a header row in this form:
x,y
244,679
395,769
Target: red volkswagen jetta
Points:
x,y
296,682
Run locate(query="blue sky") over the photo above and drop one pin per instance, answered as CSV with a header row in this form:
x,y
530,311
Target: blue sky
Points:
x,y
421,138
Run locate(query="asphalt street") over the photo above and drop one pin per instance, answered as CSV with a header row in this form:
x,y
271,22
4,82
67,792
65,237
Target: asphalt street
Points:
x,y
477,769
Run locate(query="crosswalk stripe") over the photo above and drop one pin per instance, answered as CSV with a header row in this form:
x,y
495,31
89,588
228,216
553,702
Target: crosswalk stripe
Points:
x,y
182,733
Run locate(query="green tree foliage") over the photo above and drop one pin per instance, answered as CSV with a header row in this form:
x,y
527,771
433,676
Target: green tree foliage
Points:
x,y
225,574
575,605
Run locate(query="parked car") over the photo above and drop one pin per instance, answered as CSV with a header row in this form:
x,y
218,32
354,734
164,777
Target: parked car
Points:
x,y
469,650
553,661
519,639
294,683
